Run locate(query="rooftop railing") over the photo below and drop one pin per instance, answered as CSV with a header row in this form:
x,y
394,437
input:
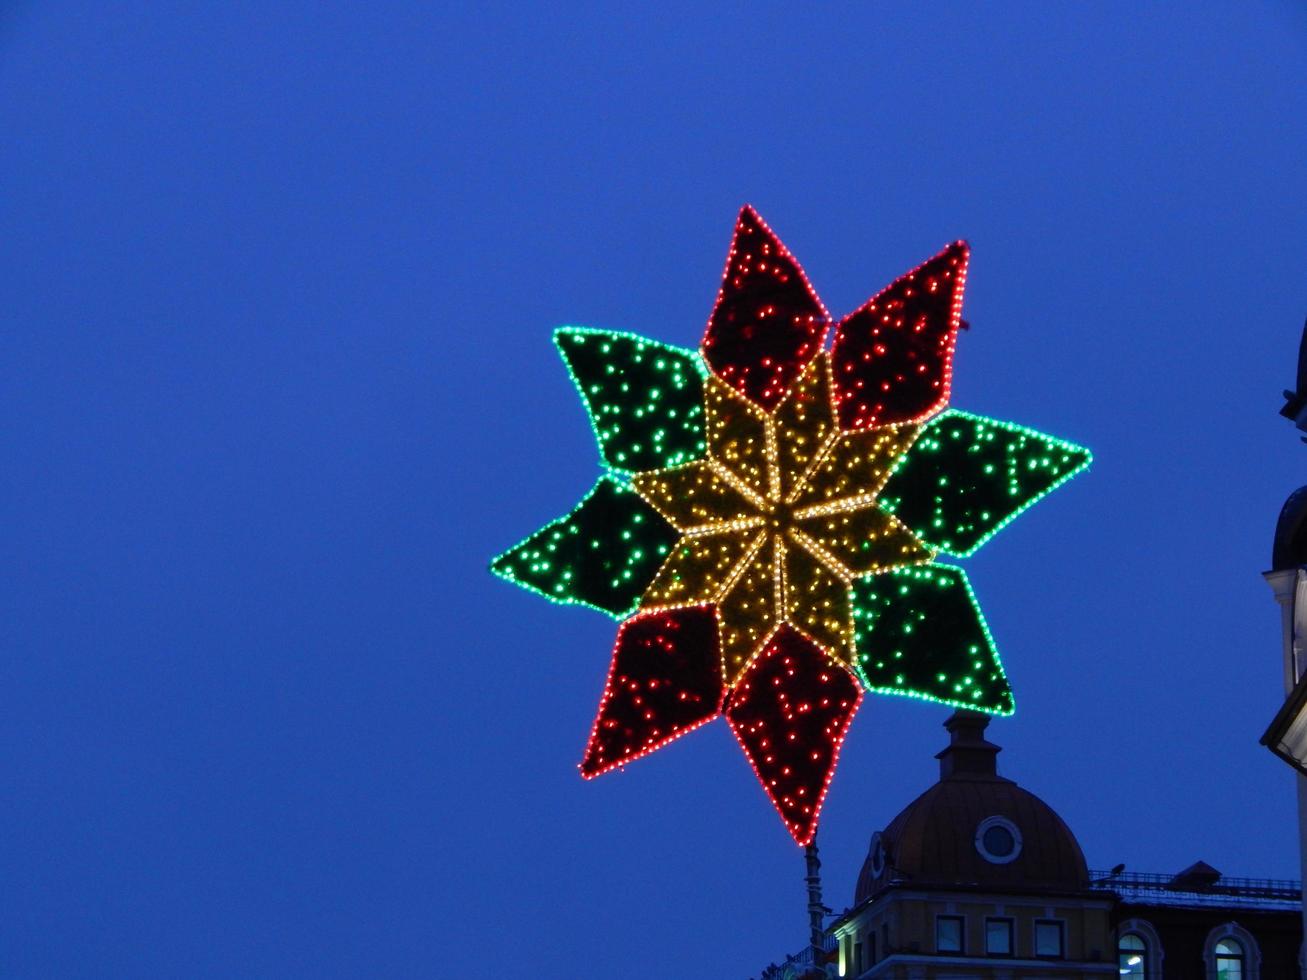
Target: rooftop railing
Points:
x,y
798,963
1163,889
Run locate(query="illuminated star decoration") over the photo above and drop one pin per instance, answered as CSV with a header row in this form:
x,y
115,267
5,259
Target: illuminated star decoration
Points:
x,y
770,512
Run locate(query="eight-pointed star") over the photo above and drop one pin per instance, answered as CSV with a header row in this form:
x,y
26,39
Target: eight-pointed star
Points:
x,y
769,515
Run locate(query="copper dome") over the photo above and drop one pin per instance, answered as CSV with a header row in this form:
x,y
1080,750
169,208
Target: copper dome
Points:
x,y
974,828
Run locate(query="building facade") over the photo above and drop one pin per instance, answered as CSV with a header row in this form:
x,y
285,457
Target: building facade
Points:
x,y
979,878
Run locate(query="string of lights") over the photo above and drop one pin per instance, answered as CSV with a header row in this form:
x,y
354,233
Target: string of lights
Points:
x,y
770,512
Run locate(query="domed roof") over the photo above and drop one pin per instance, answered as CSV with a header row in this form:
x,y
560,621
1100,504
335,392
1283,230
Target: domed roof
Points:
x,y
1290,547
974,828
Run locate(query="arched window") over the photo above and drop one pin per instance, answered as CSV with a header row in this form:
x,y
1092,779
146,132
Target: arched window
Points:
x,y
1139,950
1231,953
1133,954
1229,960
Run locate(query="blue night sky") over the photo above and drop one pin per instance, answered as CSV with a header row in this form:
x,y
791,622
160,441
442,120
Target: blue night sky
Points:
x,y
276,382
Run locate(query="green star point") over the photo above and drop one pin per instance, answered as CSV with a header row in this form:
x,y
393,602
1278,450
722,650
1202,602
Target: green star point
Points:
x,y
644,398
919,632
968,476
602,555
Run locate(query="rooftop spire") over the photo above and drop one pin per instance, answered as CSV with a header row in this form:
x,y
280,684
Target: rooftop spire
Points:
x,y
968,754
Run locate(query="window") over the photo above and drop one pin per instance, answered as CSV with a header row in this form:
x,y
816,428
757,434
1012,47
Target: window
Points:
x,y
998,840
871,948
948,933
857,959
998,937
1050,938
1231,953
1132,956
1229,960
878,856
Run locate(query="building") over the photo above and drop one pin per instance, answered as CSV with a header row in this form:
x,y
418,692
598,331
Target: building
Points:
x,y
979,878
1287,734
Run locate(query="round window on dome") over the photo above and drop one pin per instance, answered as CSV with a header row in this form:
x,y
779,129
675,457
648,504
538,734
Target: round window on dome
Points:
x,y
877,854
998,840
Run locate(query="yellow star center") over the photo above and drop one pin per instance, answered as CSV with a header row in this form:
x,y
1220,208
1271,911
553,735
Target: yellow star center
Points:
x,y
779,519
780,515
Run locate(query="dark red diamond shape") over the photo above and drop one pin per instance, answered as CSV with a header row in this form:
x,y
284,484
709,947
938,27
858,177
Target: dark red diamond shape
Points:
x,y
893,357
768,322
790,712
665,680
